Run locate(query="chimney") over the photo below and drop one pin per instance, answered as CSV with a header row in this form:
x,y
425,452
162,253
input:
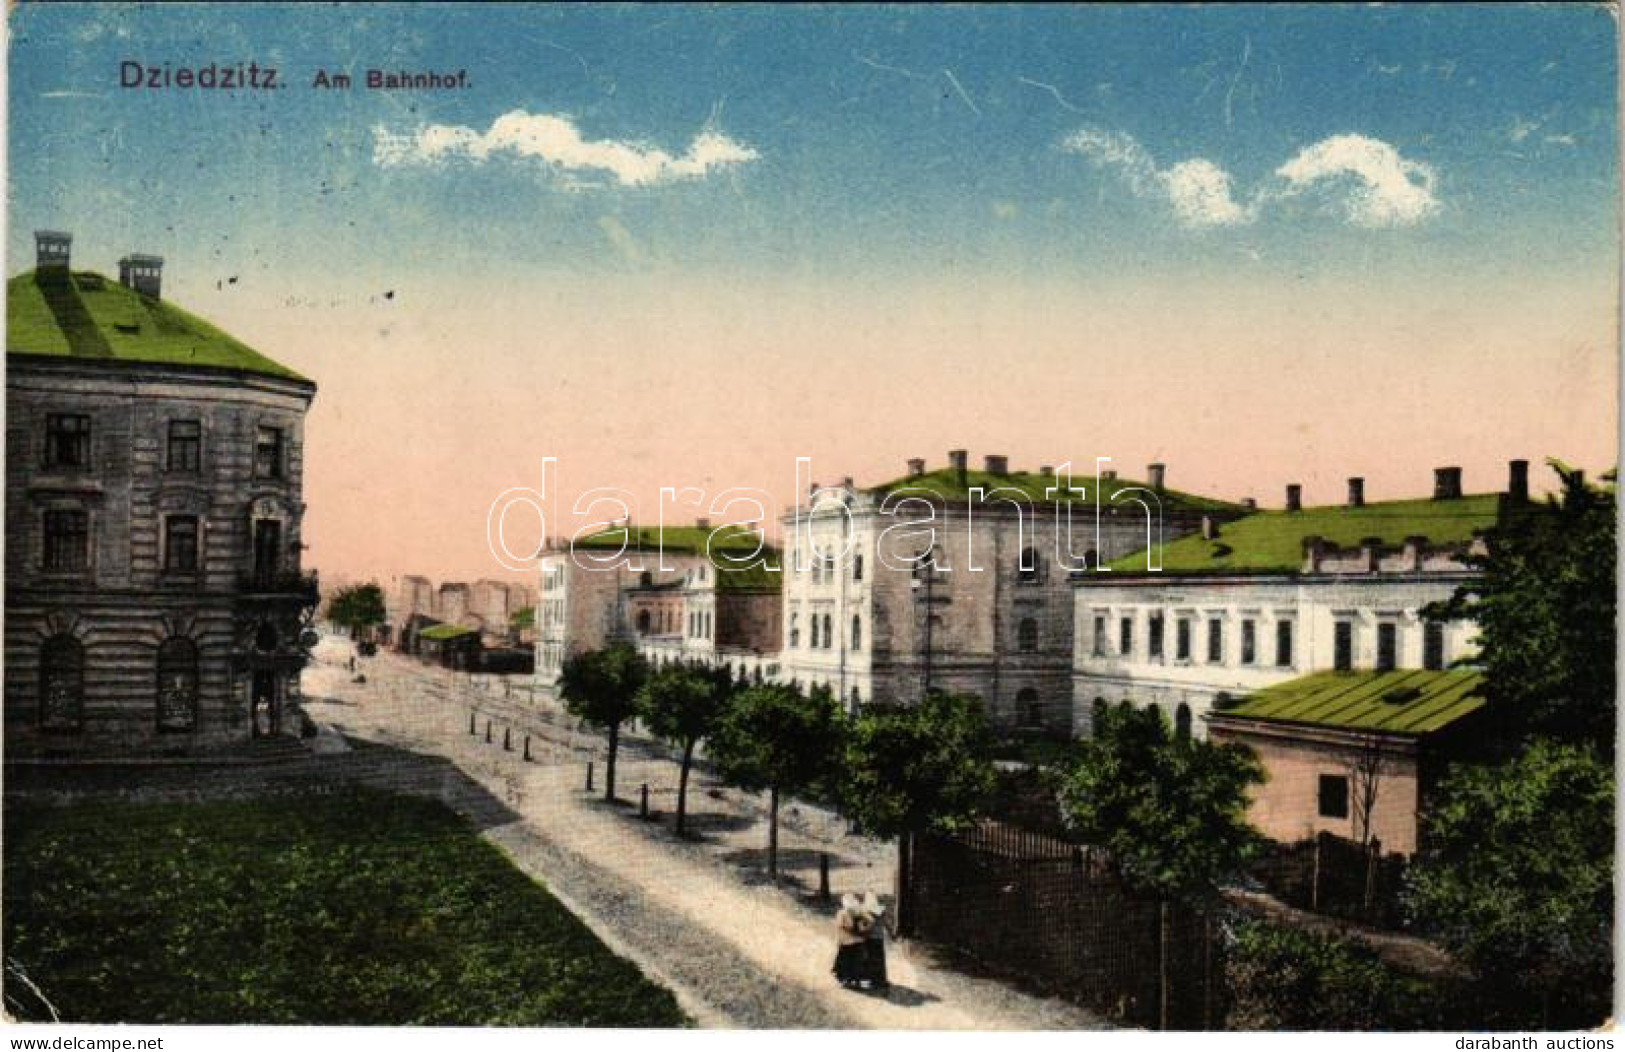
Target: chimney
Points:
x,y
846,482
1446,483
51,248
1356,493
143,274
1046,471
916,467
1154,474
956,461
1294,497
1109,475
1314,549
996,465
702,524
1250,503
1210,528
1518,481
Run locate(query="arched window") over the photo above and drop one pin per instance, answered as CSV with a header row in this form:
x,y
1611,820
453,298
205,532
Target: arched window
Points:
x,y
829,632
177,684
644,623
795,630
1097,714
857,632
1182,721
646,578
1027,569
1029,710
1027,635
62,684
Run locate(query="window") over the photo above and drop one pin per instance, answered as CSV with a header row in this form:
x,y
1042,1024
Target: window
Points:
x,y
1182,639
62,684
1029,708
1125,637
857,567
180,543
1343,646
1334,796
1433,645
1387,646
177,685
267,549
857,632
1249,641
67,440
829,632
1027,567
1156,637
268,453
185,445
795,630
1283,644
1027,635
644,622
1215,641
1182,722
1100,636
67,540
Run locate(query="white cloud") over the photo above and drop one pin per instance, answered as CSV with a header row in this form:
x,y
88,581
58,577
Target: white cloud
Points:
x,y
1373,185
1387,189
556,142
1198,190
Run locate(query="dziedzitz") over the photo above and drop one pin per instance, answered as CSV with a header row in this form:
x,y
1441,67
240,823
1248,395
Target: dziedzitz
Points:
x,y
242,75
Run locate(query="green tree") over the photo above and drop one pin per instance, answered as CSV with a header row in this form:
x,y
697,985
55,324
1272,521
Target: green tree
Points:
x,y
776,738
1170,810
521,619
1544,603
601,687
357,608
682,703
914,768
1516,874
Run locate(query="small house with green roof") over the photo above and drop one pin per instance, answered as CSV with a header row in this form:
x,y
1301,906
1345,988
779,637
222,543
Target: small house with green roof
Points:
x,y
1242,606
1351,753
155,601
958,579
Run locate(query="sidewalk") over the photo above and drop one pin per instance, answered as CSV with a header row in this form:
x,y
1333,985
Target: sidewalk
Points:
x,y
698,915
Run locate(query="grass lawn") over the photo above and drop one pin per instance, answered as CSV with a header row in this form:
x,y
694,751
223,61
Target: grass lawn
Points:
x,y
358,908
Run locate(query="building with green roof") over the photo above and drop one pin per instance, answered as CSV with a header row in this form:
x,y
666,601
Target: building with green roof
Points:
x,y
155,601
1351,753
1244,605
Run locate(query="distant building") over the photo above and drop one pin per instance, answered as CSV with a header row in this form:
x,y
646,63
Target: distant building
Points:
x,y
664,591
993,616
1352,753
154,597
1280,594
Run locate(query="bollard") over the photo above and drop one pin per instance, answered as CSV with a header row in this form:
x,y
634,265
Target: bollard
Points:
x,y
507,739
643,801
589,776
527,748
823,876
471,721
488,732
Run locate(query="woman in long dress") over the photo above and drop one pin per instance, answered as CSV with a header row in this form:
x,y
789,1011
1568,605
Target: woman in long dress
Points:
x,y
852,926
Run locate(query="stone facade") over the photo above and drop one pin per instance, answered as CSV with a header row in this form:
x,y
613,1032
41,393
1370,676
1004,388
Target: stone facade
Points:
x,y
154,597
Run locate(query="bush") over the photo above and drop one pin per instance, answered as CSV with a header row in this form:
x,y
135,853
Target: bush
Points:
x,y
1280,978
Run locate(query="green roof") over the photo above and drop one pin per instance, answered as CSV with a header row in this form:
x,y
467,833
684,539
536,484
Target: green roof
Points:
x,y
53,314
945,483
1272,541
691,540
1404,701
443,632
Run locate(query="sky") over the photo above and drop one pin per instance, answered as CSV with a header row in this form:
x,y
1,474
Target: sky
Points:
x,y
683,246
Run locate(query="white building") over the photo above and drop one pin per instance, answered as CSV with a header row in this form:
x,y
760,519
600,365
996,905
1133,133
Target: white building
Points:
x,y
1278,595
993,614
